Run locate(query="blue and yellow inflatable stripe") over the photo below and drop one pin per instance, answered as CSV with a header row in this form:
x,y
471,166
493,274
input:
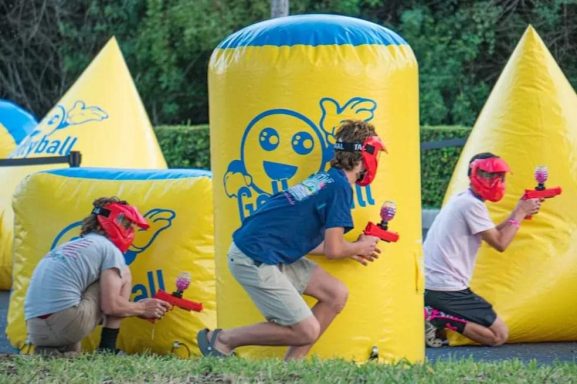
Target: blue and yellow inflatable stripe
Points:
x,y
129,174
312,30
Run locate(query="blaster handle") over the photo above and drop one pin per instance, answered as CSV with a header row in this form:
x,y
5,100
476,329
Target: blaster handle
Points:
x,y
374,230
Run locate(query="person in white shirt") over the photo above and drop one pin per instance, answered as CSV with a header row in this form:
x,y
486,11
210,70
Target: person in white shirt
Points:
x,y
451,248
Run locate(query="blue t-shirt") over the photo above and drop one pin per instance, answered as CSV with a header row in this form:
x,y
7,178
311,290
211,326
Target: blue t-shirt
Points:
x,y
293,222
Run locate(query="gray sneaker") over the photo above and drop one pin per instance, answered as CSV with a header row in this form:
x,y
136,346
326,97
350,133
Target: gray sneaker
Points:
x,y
432,338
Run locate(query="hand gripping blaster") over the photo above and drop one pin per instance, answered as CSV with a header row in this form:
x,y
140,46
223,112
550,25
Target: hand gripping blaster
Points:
x,y
176,299
380,230
540,191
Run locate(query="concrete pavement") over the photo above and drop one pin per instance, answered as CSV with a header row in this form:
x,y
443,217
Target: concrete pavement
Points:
x,y
5,346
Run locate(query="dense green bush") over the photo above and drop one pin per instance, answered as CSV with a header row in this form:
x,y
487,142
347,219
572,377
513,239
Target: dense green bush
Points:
x,y
189,147
185,146
437,164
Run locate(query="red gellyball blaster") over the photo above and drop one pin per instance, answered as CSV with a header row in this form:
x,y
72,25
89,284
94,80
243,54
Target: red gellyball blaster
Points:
x,y
176,299
381,230
540,191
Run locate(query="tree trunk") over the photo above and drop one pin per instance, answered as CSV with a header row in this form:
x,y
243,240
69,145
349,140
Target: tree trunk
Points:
x,y
279,8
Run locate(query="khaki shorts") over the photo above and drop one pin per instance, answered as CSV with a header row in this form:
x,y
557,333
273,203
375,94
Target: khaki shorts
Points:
x,y
275,289
70,326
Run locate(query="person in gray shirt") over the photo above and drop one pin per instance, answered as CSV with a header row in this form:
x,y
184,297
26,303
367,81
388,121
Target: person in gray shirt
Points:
x,y
85,282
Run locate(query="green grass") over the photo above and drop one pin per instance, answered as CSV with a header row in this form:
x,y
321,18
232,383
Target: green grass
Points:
x,y
156,369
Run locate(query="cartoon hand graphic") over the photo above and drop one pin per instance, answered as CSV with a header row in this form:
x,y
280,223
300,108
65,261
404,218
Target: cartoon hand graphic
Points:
x,y
159,219
235,178
357,108
80,113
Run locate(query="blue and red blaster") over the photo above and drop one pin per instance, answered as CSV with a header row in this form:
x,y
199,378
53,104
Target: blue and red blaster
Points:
x,y
381,230
541,192
175,299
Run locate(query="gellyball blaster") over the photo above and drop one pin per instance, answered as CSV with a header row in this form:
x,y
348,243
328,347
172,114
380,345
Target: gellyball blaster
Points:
x,y
176,299
540,191
381,230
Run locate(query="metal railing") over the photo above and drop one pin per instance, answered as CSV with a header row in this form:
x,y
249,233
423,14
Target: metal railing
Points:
x,y
443,143
74,158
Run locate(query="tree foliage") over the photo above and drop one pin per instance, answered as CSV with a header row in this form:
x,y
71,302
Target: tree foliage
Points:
x,y
461,46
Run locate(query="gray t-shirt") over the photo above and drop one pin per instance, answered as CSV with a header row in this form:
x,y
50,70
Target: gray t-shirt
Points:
x,y
64,274
453,241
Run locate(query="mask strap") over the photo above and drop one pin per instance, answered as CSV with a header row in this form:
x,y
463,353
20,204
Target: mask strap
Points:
x,y
348,147
101,211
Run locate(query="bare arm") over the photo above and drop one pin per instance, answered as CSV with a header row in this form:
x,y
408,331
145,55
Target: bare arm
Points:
x,y
114,304
336,247
501,236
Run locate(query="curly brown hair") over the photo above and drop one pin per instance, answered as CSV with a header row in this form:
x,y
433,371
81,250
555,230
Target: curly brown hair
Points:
x,y
90,224
351,131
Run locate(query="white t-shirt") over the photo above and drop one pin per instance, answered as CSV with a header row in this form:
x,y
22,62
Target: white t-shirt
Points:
x,y
64,274
453,241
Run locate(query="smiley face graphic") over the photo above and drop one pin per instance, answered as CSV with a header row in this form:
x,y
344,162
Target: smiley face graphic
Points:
x,y
280,148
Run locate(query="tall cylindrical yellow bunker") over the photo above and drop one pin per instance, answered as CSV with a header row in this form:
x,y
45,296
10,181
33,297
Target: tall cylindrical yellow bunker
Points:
x,y
278,90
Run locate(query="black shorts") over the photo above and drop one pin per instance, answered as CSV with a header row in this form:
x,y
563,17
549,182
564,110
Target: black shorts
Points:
x,y
465,304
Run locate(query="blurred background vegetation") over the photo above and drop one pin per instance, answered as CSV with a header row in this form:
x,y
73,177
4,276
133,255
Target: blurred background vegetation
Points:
x,y
461,46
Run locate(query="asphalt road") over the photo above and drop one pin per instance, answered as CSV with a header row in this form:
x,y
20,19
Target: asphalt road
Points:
x,y
543,353
5,346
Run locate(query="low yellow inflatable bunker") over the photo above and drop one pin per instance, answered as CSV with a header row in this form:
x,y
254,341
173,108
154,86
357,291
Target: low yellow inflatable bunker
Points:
x,y
49,208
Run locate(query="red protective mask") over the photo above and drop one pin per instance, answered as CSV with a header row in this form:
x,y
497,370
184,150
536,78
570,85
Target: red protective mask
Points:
x,y
370,150
491,189
113,218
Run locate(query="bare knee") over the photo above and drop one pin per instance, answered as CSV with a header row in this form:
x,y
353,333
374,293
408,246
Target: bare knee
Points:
x,y
501,337
339,297
500,333
307,331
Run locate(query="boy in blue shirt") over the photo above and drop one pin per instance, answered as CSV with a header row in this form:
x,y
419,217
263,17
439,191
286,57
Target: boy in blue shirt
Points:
x,y
267,253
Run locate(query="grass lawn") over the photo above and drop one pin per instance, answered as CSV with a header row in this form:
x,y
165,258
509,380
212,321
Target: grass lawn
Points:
x,y
91,368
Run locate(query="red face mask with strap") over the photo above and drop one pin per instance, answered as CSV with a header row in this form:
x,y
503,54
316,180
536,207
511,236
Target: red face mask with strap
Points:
x,y
488,178
370,150
117,221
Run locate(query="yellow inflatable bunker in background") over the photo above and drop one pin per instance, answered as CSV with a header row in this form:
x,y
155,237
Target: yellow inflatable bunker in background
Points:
x,y
49,208
277,91
530,119
101,116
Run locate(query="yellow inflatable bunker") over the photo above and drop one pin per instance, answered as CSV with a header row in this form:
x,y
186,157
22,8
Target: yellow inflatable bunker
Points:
x,y
49,208
530,119
278,90
101,116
